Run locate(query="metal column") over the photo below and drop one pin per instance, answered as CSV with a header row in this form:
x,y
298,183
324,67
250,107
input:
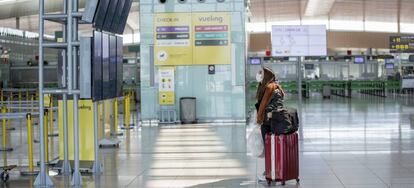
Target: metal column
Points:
x,y
66,169
97,166
300,74
70,50
43,179
73,28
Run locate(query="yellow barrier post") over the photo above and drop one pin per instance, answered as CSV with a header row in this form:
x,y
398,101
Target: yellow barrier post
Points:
x,y
134,107
52,133
9,120
99,120
27,95
30,170
32,101
46,136
127,112
115,133
3,110
4,134
20,100
115,116
2,96
9,110
30,141
132,101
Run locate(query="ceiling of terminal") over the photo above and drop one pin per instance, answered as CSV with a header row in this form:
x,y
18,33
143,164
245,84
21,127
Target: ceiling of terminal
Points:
x,y
351,12
346,10
27,11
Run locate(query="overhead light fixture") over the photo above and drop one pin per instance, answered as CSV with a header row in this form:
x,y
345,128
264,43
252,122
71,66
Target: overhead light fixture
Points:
x,y
318,7
5,2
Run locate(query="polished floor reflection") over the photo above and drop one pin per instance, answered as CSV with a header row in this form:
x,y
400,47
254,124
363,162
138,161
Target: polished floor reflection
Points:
x,y
363,142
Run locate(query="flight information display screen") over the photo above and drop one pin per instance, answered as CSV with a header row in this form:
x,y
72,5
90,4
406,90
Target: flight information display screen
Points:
x,y
389,65
124,16
112,65
119,67
107,15
97,66
105,65
309,66
100,14
255,61
359,60
110,14
303,40
117,16
402,44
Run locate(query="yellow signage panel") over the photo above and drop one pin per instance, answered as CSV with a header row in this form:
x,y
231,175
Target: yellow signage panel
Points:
x,y
166,98
211,33
86,130
172,39
166,86
47,101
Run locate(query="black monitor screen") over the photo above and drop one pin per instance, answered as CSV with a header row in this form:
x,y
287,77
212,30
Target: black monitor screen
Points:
x,y
97,66
99,18
124,16
309,66
110,15
411,58
359,60
105,65
117,16
119,66
255,61
112,65
267,58
389,65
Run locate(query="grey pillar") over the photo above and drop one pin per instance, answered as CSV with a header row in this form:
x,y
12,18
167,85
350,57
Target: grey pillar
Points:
x,y
42,179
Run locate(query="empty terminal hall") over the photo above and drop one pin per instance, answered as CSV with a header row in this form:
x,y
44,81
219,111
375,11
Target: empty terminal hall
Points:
x,y
206,93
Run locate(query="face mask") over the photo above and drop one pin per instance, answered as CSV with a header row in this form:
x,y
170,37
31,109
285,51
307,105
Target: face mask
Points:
x,y
259,77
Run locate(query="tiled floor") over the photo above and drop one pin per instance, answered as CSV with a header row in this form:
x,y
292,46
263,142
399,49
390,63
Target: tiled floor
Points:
x,y
358,143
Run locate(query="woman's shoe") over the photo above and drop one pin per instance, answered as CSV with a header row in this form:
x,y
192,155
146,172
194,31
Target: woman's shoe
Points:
x,y
261,178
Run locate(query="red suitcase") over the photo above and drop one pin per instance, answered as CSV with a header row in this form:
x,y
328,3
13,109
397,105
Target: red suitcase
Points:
x,y
281,158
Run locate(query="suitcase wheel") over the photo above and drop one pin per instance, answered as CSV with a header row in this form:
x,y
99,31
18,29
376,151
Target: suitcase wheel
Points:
x,y
297,180
269,182
283,183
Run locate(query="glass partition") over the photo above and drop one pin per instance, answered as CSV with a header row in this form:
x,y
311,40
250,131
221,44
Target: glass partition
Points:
x,y
220,95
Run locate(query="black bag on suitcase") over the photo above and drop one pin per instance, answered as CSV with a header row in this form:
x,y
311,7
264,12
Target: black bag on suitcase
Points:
x,y
284,121
294,116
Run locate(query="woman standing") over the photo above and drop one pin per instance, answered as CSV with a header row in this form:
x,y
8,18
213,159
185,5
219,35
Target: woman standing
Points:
x,y
269,97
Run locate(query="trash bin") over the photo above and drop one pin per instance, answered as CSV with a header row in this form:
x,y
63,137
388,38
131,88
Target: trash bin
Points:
x,y
188,110
326,91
